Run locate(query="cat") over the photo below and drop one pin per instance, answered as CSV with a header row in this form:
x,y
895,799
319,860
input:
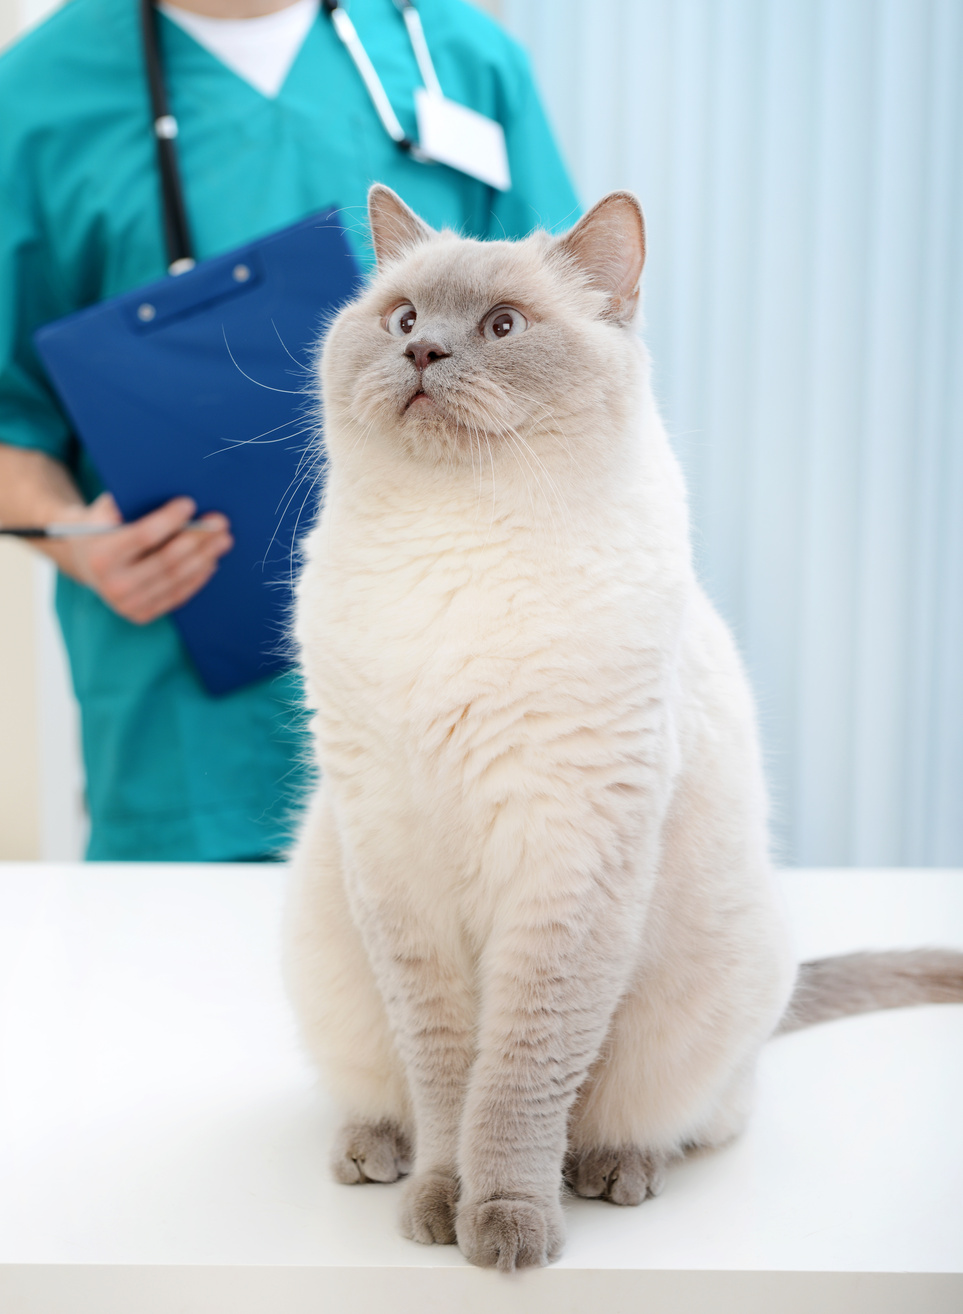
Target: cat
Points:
x,y
532,930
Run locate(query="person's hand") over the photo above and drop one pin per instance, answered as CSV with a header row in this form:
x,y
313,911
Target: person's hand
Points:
x,y
151,565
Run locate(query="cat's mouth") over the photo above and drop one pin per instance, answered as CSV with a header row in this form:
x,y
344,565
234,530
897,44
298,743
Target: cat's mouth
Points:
x,y
417,397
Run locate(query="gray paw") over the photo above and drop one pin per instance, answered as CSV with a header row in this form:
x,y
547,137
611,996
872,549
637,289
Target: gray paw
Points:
x,y
428,1209
370,1152
626,1177
510,1234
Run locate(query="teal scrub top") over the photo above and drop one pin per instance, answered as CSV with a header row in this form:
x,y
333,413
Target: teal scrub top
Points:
x,y
172,773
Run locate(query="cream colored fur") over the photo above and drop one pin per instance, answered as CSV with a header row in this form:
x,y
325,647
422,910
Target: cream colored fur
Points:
x,y
532,925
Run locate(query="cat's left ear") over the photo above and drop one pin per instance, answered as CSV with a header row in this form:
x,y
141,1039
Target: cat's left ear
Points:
x,y
608,246
394,226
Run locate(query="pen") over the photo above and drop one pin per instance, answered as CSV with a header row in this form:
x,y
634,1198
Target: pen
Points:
x,y
82,531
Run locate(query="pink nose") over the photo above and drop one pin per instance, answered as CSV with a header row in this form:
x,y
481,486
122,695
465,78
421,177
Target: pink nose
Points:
x,y
423,353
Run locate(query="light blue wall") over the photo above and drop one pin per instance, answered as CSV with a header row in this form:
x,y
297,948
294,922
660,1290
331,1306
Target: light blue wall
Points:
x,y
800,163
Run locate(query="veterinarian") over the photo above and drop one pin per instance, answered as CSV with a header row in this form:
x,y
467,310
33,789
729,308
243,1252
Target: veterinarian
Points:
x,y
274,122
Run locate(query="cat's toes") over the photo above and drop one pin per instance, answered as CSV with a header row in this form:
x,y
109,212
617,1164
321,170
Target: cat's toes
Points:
x,y
510,1234
625,1177
370,1152
428,1209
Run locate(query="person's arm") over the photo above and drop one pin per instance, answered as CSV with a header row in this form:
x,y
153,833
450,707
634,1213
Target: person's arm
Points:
x,y
142,571
151,566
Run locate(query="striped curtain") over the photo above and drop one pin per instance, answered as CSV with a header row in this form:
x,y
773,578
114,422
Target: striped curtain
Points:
x,y
800,163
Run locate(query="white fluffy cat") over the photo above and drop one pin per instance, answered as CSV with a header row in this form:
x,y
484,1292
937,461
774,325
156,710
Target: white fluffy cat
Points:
x,y
533,926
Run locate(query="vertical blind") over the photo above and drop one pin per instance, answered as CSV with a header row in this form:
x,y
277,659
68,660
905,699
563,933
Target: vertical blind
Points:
x,y
800,163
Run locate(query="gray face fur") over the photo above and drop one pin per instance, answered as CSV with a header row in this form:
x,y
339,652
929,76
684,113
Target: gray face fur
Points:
x,y
423,359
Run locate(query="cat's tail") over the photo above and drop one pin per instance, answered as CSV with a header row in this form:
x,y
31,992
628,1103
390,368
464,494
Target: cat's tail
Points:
x,y
827,988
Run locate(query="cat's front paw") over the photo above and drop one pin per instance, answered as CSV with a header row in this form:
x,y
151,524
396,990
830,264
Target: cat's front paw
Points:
x,y
370,1152
625,1177
428,1209
509,1234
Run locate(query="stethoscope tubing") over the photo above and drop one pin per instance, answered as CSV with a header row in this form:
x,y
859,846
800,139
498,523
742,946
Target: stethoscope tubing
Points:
x,y
177,235
348,36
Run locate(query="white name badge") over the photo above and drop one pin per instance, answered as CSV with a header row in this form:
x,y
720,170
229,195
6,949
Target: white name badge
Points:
x,y
452,134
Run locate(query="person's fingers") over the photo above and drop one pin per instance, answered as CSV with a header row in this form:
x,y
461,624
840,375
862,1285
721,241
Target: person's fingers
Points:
x,y
212,521
169,585
172,591
140,588
143,536
183,544
188,543
105,556
177,558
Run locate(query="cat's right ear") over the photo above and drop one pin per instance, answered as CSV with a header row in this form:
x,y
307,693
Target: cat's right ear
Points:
x,y
607,245
395,228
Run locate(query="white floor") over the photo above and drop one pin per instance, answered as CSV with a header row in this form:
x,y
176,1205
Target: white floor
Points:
x,y
162,1147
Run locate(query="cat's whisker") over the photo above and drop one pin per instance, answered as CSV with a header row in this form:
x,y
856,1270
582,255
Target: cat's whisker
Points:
x,y
293,392
361,436
479,436
294,553
539,466
475,475
362,439
517,453
309,455
232,444
302,365
558,435
554,431
298,484
476,433
311,460
491,461
521,395
534,424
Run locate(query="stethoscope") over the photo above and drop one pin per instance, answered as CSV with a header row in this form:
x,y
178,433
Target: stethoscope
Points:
x,y
347,34
180,254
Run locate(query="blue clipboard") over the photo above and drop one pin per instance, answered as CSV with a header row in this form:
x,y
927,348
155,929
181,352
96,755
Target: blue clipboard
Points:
x,y
201,384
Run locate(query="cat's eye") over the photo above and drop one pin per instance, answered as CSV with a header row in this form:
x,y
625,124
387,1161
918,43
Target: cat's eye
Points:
x,y
503,322
402,319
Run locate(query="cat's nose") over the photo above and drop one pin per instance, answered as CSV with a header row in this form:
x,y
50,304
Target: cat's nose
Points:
x,y
423,353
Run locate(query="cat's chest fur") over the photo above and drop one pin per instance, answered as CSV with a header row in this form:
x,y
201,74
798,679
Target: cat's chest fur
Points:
x,y
466,659
415,608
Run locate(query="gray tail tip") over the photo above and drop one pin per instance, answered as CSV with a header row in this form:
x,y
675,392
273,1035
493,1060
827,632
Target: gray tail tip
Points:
x,y
828,988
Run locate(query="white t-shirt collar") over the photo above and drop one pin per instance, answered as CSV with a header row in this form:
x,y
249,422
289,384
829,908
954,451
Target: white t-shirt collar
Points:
x,y
260,50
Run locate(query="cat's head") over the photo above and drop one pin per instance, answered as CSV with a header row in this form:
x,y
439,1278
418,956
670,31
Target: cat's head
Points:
x,y
455,341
